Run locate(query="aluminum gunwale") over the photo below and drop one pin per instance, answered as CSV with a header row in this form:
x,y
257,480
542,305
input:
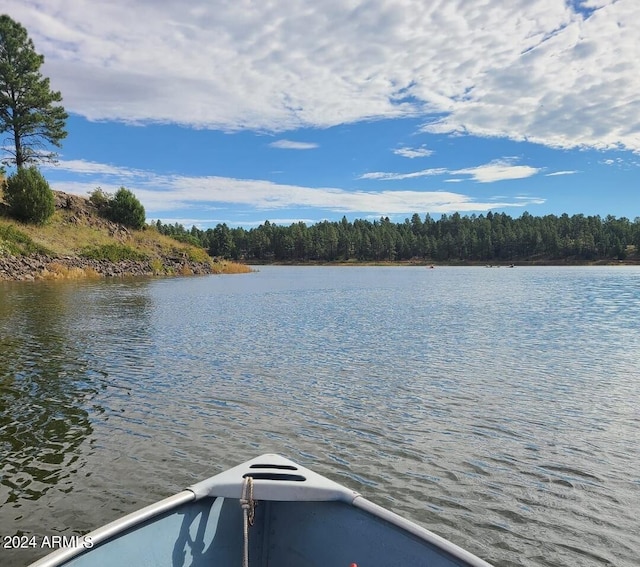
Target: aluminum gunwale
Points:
x,y
420,532
116,527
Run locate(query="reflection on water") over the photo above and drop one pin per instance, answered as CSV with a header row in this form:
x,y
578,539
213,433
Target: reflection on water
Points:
x,y
49,379
43,418
495,407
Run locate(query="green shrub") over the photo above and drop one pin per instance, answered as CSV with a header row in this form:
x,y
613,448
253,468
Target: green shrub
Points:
x,y
113,253
187,239
125,209
100,199
29,196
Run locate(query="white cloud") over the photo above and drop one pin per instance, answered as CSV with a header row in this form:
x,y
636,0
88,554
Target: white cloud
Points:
x,y
413,152
554,74
291,145
165,194
622,163
497,170
574,88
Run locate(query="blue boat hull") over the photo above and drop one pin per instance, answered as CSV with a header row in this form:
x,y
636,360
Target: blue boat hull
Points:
x,y
301,519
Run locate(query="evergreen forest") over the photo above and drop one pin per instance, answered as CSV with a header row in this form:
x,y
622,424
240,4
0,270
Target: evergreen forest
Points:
x,y
494,237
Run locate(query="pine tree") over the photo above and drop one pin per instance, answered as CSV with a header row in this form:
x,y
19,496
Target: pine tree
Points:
x,y
28,113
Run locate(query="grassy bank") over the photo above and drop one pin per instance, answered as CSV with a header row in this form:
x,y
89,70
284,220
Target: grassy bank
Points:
x,y
76,239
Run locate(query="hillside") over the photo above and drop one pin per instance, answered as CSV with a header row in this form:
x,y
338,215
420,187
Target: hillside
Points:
x,y
77,242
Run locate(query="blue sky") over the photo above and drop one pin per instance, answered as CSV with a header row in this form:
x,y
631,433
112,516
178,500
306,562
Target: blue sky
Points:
x,y
238,111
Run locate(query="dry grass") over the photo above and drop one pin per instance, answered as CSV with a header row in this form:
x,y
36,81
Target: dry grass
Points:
x,y
226,267
156,244
57,271
63,236
157,267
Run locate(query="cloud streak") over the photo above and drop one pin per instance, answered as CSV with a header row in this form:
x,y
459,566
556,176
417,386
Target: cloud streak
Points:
x,y
557,173
162,195
498,170
387,176
555,74
291,145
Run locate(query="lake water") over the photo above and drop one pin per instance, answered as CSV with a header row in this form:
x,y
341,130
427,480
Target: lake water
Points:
x,y
497,407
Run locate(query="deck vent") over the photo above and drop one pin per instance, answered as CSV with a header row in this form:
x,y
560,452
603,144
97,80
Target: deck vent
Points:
x,y
275,476
272,466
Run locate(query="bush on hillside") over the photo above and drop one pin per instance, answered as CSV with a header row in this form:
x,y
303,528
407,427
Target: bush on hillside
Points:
x,y
100,199
125,209
29,196
113,253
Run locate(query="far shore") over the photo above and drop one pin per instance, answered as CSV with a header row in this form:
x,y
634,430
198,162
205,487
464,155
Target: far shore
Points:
x,y
426,264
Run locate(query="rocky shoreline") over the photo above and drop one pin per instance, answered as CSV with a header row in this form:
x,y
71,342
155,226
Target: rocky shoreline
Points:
x,y
38,266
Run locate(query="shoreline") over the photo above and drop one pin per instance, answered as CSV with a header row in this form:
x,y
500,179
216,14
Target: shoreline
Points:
x,y
36,267
42,267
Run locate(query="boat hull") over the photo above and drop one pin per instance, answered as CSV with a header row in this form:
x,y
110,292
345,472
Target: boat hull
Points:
x,y
320,523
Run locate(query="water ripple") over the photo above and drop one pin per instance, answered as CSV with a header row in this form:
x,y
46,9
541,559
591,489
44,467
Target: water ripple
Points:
x,y
454,396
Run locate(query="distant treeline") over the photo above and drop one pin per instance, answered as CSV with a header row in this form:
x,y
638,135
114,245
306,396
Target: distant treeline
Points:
x,y
483,238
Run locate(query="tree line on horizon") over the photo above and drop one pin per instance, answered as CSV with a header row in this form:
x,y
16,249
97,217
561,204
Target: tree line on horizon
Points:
x,y
494,237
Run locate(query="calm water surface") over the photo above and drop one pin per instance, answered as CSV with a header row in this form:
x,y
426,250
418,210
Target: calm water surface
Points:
x,y
496,407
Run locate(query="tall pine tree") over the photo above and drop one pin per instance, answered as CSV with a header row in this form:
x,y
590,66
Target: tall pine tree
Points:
x,y
29,114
